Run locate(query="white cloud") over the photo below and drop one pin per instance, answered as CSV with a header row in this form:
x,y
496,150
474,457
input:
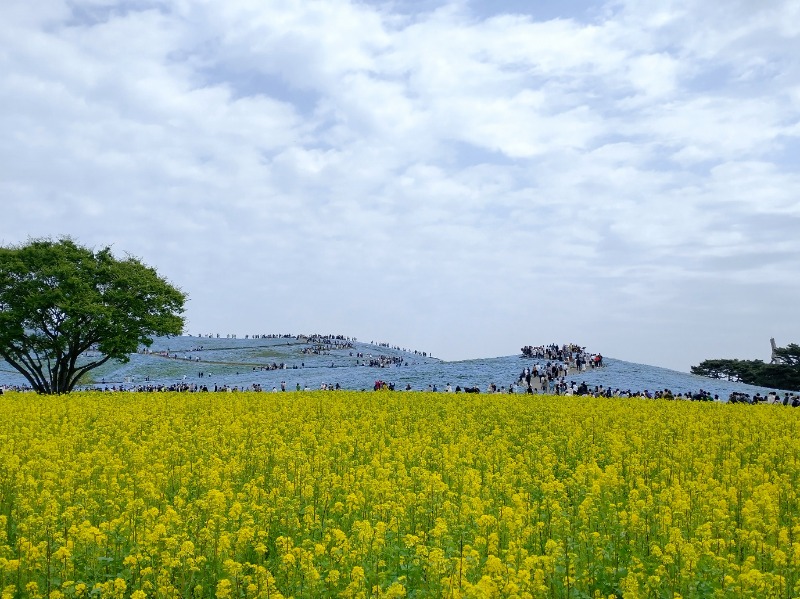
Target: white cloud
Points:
x,y
309,157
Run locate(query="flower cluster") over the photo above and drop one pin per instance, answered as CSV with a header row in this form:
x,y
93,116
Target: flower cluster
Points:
x,y
354,494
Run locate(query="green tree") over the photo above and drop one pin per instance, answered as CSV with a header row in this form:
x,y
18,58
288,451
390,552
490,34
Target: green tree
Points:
x,y
789,355
783,375
59,300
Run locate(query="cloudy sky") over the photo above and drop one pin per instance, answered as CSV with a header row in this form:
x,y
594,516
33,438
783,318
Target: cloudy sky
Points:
x,y
459,177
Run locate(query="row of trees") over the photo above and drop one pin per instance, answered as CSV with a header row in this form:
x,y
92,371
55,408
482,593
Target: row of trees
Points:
x,y
783,373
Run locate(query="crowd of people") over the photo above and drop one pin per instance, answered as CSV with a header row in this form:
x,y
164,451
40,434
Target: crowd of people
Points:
x,y
234,336
273,366
323,344
570,354
559,389
318,338
561,362
560,353
773,397
382,361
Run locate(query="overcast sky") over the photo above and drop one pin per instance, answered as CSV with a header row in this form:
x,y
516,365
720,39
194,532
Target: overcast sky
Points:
x,y
461,178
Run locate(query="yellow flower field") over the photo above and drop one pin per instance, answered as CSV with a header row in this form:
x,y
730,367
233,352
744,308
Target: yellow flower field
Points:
x,y
381,494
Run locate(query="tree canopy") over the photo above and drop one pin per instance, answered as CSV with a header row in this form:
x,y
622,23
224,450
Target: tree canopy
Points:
x,y
788,355
67,309
782,375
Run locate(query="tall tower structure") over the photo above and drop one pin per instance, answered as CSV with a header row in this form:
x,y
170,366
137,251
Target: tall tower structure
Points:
x,y
775,359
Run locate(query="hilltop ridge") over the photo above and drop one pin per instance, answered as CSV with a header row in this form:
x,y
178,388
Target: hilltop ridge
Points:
x,y
270,362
